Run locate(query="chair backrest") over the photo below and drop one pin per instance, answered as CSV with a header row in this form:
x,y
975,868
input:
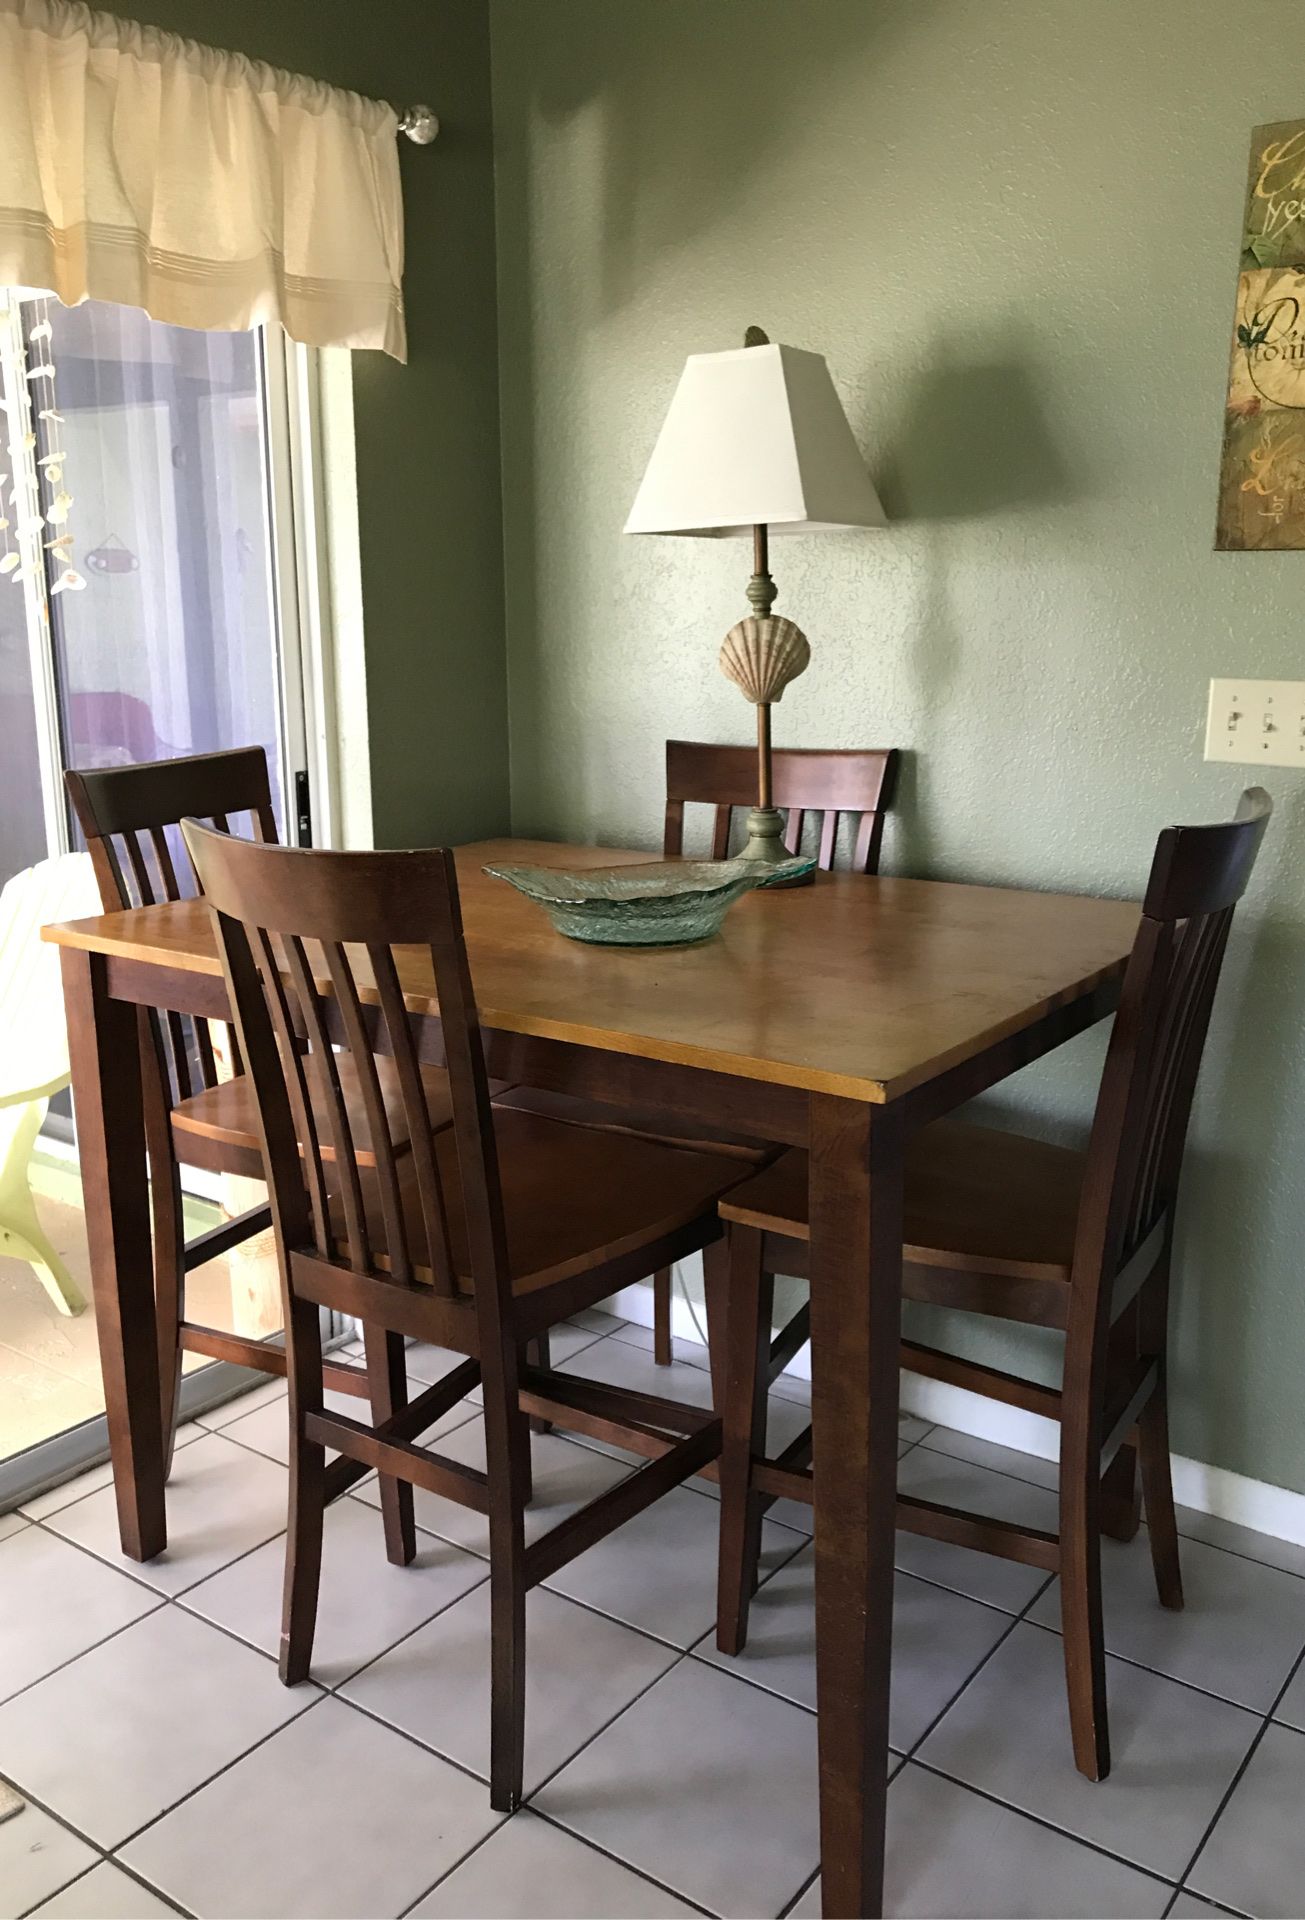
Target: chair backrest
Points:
x,y
1145,1103
130,817
33,1032
856,781
307,942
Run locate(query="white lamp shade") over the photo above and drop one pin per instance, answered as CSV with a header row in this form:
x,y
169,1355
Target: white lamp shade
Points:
x,y
755,436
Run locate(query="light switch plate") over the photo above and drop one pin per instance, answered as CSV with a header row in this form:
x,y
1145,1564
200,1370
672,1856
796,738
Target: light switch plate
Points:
x,y
1256,722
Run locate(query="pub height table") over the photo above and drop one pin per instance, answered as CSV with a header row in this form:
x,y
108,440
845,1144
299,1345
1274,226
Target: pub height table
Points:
x,y
840,1017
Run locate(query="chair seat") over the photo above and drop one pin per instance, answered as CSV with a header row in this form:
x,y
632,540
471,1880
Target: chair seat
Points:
x,y
574,1198
571,1108
221,1123
977,1200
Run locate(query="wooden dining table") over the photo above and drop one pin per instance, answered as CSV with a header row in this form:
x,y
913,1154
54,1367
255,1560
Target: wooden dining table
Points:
x,y
840,1016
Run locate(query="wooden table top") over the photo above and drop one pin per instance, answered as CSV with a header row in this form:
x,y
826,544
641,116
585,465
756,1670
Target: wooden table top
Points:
x,y
853,986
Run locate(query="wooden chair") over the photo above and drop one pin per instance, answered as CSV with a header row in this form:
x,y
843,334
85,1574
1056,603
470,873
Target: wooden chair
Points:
x,y
480,1239
1001,1224
127,815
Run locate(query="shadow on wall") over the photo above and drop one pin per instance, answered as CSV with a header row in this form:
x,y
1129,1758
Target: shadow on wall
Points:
x,y
971,440
736,90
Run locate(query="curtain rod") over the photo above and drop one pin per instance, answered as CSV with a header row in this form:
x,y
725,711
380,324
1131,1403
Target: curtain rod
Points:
x,y
421,124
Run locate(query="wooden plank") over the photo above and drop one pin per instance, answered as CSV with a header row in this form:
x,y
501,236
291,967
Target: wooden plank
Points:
x,y
620,1503
448,1478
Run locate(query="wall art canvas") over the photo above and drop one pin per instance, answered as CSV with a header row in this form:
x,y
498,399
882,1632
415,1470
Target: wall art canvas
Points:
x,y
1262,473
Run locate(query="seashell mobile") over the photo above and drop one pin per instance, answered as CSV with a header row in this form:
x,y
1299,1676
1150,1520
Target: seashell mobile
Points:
x,y
34,501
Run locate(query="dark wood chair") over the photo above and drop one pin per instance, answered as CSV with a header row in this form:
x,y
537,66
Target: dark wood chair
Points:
x,y
130,818
480,1238
1001,1224
855,783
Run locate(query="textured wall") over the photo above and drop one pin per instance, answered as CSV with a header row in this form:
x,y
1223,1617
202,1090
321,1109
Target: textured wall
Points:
x,y
427,434
1013,230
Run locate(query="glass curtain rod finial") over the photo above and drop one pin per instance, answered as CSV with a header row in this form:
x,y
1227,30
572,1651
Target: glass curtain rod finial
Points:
x,y
421,124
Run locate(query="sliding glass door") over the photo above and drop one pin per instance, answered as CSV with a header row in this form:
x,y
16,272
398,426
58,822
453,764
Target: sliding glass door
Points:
x,y
148,608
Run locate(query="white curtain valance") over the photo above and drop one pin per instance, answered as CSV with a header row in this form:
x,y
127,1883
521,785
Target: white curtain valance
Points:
x,y
210,190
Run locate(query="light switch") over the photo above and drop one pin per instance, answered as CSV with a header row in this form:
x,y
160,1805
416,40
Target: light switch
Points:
x,y
1256,722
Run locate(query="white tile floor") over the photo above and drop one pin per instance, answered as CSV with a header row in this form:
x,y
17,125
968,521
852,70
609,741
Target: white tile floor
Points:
x,y
166,1769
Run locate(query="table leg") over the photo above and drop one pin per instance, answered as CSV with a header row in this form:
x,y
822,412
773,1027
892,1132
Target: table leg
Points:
x,y
103,1047
856,1289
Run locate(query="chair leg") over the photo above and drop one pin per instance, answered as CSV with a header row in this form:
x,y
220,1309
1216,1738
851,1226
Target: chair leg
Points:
x,y
1082,1627
387,1382
537,1355
716,1294
747,1355
507,1449
1153,1440
169,1286
661,1291
303,1541
1121,1495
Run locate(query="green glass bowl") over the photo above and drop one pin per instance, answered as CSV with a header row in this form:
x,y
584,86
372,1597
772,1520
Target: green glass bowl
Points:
x,y
666,903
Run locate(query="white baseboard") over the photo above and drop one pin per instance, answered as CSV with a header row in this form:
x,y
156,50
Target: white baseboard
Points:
x,y
1276,1511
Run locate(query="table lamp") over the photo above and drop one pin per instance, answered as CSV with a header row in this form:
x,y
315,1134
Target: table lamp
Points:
x,y
756,440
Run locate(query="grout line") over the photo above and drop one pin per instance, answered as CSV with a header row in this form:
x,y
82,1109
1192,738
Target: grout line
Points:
x,y
1159,1673
1220,1906
217,1773
1240,1773
60,1820
640,1873
94,1646
422,1746
123,1868
1015,1621
403,1638
540,1813
804,1889
1048,1826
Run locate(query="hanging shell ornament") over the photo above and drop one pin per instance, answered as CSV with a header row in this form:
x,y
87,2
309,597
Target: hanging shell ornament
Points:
x,y
69,581
762,654
42,331
57,511
10,561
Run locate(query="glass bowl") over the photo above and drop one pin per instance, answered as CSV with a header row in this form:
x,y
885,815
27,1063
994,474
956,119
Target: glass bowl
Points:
x,y
665,903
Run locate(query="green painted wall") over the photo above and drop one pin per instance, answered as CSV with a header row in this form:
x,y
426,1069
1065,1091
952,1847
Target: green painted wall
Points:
x,y
427,434
1013,230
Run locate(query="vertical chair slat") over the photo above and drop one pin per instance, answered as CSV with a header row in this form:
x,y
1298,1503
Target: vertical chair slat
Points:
x,y
720,837
430,1192
346,994
828,837
321,1065
163,857
301,1105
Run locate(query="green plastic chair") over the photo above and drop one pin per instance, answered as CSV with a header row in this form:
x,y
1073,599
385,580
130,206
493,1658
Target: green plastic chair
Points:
x,y
34,1050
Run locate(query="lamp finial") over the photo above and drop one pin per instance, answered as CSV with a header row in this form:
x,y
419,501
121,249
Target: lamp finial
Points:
x,y
756,337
